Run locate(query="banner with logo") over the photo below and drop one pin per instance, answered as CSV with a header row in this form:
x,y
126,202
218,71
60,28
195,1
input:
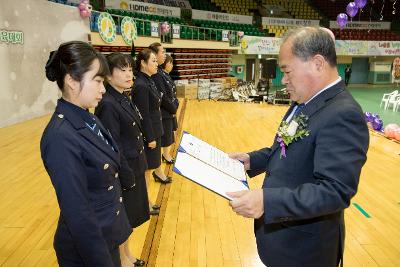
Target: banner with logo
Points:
x,y
184,4
384,48
176,31
128,30
140,7
270,46
107,27
222,17
154,29
225,35
351,48
396,70
175,3
266,21
259,45
373,25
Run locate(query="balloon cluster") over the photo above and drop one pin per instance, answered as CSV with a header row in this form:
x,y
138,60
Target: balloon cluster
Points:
x,y
351,10
392,131
165,28
85,9
374,121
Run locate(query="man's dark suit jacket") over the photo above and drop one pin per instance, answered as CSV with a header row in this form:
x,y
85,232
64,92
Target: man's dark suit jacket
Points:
x,y
306,193
84,172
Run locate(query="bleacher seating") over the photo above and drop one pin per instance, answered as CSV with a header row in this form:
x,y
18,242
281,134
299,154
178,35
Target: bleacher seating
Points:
x,y
200,63
241,7
143,16
372,35
248,29
298,9
277,31
143,22
204,5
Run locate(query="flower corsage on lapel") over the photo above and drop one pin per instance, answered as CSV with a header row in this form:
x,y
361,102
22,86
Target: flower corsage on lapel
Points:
x,y
291,131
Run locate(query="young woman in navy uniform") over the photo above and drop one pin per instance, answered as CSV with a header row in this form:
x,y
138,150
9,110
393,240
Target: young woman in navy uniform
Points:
x,y
167,67
169,104
123,120
148,100
82,161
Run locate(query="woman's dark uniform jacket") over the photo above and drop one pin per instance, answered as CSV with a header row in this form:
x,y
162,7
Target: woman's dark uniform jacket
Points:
x,y
148,100
121,118
172,84
169,105
84,172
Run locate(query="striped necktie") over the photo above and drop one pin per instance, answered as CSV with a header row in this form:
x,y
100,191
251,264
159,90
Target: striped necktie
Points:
x,y
298,109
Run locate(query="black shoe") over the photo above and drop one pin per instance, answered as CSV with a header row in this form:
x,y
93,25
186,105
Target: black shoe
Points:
x,y
139,262
154,212
158,179
156,207
172,161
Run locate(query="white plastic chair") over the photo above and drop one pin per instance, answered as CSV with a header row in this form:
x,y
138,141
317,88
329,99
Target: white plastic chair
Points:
x,y
392,101
389,98
396,103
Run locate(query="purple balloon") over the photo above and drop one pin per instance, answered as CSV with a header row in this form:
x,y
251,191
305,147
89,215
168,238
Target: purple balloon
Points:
x,y
342,20
377,124
375,116
351,9
360,3
368,116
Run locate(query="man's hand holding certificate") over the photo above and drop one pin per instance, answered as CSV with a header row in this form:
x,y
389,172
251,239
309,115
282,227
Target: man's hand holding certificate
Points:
x,y
209,167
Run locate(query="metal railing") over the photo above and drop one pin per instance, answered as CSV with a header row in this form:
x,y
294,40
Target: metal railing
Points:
x,y
186,32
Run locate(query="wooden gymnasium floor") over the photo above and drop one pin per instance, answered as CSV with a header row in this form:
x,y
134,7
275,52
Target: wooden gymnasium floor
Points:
x,y
195,227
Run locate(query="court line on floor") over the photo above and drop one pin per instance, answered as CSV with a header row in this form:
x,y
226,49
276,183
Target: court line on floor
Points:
x,y
361,210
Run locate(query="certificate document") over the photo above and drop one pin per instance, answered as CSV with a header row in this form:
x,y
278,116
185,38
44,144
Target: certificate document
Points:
x,y
209,167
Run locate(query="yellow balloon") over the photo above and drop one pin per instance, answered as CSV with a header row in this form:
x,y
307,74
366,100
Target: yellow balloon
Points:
x,y
123,5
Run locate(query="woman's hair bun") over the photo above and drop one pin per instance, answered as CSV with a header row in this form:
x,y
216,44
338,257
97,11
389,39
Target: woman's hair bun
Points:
x,y
53,66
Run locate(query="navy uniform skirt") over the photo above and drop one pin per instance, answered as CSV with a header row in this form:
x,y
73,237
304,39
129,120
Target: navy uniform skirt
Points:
x,y
135,199
175,124
153,156
168,137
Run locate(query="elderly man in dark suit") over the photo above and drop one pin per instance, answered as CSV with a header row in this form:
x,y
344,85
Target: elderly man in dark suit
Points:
x,y
313,167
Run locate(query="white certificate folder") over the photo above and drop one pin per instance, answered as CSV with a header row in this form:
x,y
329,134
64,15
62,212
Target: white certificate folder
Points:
x,y
209,167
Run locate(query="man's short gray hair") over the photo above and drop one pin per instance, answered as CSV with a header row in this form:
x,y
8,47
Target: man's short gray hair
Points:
x,y
310,41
